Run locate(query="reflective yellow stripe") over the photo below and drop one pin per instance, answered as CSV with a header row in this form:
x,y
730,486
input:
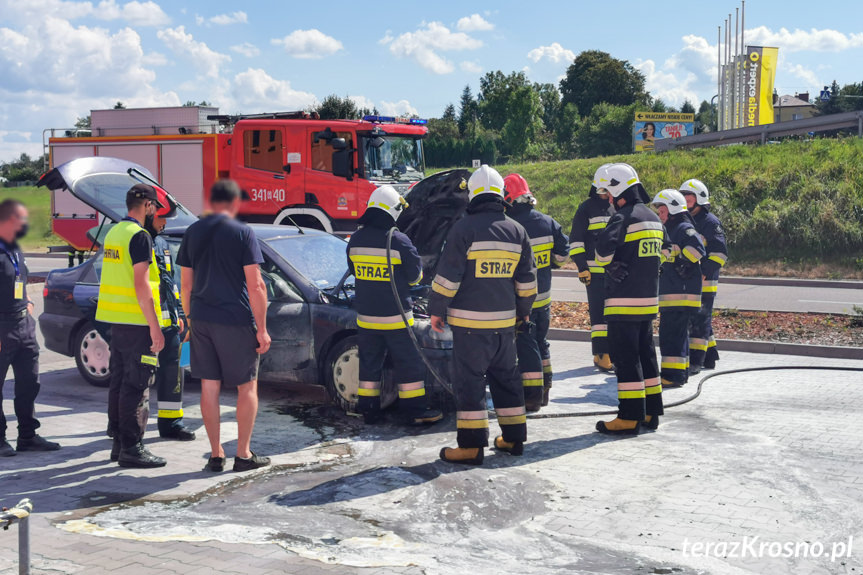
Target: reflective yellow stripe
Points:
x,y
637,394
437,288
652,390
512,420
383,326
680,303
541,302
481,324
597,270
412,393
597,226
526,292
542,247
631,237
368,392
652,309
709,289
691,254
599,333
149,360
472,423
360,259
494,254
170,413
532,382
575,251
671,365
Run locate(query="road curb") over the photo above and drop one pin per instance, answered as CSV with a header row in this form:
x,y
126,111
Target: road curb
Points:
x,y
768,347
761,281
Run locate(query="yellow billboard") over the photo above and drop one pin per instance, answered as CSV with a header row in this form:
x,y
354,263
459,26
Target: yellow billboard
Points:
x,y
652,126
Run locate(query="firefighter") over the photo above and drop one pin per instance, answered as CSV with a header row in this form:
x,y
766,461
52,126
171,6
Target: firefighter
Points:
x,y
485,284
629,249
550,250
679,286
590,219
129,301
702,344
169,376
381,329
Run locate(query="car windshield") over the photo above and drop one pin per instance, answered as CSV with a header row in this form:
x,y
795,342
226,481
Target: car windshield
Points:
x,y
107,193
319,257
398,159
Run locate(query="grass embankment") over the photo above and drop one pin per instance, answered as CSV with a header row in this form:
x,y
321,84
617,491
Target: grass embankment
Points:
x,y
38,202
794,208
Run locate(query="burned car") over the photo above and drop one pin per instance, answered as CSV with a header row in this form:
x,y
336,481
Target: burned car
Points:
x,y
309,316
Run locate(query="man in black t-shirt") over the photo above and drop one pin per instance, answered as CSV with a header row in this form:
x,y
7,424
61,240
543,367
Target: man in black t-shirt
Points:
x,y
225,299
18,347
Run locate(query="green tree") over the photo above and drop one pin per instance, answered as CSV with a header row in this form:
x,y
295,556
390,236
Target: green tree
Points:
x,y
567,127
449,114
467,110
848,98
83,123
687,107
23,169
192,104
606,131
596,77
525,121
334,107
705,119
550,97
496,91
119,106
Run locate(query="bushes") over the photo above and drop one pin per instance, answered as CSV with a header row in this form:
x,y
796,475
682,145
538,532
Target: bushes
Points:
x,y
801,201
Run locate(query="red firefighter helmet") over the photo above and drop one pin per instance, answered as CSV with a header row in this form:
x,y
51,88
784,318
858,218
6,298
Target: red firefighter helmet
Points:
x,y
515,187
169,208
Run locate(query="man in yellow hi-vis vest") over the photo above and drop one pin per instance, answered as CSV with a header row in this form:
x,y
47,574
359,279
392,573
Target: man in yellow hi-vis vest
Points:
x,y
129,302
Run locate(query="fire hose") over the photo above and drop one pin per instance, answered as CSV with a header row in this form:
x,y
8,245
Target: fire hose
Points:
x,y
449,387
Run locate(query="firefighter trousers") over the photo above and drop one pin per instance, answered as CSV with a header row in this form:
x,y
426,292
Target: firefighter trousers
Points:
x,y
529,362
133,371
674,345
20,351
596,306
169,381
702,344
479,355
639,391
541,318
409,371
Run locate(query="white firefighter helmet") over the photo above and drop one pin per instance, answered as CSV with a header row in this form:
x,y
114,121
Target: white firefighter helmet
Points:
x,y
386,198
485,180
620,177
671,199
600,177
698,189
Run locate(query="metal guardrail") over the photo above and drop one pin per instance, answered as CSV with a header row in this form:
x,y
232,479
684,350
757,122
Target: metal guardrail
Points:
x,y
845,120
20,514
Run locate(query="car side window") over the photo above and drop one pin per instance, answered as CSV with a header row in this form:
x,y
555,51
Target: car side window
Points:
x,y
277,281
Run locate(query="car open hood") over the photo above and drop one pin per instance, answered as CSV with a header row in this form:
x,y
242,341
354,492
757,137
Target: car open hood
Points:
x,y
102,183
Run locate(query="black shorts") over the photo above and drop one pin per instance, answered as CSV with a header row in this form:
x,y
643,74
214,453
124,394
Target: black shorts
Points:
x,y
223,352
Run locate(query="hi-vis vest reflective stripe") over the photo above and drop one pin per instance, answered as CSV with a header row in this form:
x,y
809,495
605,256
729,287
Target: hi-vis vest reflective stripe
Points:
x,y
117,300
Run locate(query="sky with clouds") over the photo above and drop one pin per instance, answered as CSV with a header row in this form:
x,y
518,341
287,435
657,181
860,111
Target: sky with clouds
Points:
x,y
61,58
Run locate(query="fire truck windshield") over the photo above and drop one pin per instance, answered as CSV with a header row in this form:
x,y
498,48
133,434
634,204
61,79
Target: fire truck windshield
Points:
x,y
397,159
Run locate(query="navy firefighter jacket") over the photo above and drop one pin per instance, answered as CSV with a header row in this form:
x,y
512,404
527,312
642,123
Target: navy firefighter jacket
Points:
x,y
713,236
680,282
486,277
550,247
367,260
590,219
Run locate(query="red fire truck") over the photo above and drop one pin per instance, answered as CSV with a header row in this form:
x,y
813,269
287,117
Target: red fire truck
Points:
x,y
295,166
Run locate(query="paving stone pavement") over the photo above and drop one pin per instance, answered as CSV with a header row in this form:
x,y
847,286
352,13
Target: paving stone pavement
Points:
x,y
770,455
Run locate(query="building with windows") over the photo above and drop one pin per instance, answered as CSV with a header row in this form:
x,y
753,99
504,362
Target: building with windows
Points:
x,y
796,107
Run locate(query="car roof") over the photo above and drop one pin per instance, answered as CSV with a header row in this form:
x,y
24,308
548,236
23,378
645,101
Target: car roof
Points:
x,y
263,231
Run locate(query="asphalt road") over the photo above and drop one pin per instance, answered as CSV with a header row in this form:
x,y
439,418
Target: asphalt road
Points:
x,y
735,296
749,297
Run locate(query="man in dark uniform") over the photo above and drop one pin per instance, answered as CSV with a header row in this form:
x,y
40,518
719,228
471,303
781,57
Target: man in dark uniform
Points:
x,y
129,301
550,250
169,376
679,286
629,249
590,219
381,328
485,283
702,343
18,347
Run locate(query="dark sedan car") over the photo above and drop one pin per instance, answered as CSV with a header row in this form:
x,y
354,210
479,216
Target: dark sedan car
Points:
x,y
309,317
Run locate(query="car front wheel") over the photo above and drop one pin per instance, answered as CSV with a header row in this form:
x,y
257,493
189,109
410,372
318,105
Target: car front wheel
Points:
x,y
92,356
342,375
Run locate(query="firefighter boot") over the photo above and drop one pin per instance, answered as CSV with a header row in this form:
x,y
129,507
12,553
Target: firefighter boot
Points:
x,y
513,448
463,455
618,426
651,422
667,383
546,388
533,404
427,416
602,361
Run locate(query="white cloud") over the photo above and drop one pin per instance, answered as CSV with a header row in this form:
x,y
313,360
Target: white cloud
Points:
x,y
689,74
362,102
400,108
146,13
309,44
238,17
246,49
805,74
202,56
470,67
553,52
256,91
474,23
154,59
813,40
424,45
136,13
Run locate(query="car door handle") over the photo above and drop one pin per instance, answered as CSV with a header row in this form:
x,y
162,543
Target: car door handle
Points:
x,y
278,176
93,300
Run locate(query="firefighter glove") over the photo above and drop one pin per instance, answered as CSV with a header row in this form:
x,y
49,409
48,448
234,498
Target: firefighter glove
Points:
x,y
584,277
